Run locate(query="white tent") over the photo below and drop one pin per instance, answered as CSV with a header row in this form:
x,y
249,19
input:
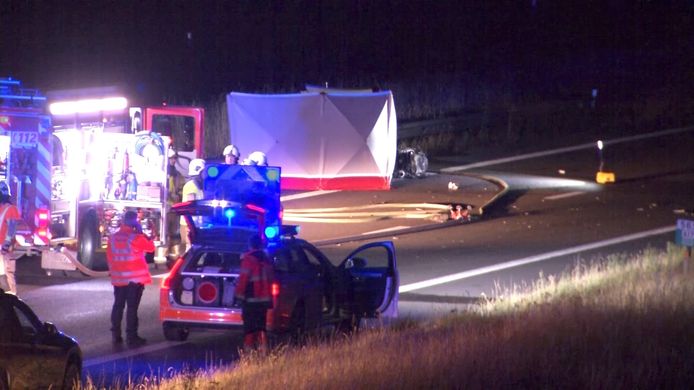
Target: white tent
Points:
x,y
334,140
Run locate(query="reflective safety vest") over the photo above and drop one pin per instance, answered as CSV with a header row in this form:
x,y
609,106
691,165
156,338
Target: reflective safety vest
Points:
x,y
126,257
191,191
255,278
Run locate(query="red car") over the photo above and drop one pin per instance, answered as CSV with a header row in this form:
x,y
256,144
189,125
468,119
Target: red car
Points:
x,y
309,290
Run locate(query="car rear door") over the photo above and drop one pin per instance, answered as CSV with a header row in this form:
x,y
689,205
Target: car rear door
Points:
x,y
373,280
300,285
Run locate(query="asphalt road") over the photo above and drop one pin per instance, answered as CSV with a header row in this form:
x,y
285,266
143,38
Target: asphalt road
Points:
x,y
552,215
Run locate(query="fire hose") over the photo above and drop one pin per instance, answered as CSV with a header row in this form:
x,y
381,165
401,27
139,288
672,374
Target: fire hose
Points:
x,y
81,266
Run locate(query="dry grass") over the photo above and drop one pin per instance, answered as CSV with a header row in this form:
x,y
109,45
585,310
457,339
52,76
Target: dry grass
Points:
x,y
620,323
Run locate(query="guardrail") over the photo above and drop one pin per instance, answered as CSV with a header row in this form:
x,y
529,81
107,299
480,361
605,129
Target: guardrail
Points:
x,y
500,118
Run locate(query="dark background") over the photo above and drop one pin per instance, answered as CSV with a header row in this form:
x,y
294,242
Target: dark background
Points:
x,y
193,50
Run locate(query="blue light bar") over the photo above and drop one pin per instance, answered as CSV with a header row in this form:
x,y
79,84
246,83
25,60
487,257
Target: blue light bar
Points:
x,y
271,232
212,172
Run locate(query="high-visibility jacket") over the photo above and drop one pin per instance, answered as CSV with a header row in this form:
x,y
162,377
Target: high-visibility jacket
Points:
x,y
255,278
191,191
126,257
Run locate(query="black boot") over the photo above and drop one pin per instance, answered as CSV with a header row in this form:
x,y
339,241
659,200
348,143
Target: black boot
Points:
x,y
136,341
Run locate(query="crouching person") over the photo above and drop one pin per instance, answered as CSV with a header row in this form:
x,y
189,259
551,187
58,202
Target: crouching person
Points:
x,y
254,291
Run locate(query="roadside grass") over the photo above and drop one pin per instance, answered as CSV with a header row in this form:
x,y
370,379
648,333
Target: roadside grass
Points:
x,y
620,322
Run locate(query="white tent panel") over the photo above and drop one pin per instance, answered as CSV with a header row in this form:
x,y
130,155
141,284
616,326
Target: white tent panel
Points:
x,y
333,140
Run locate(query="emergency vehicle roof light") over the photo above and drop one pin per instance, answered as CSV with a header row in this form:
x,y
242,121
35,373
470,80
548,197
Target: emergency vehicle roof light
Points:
x,y
219,203
230,213
212,172
86,106
272,232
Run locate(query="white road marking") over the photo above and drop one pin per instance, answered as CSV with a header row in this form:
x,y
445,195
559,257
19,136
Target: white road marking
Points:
x,y
564,195
386,230
128,353
567,149
305,195
534,259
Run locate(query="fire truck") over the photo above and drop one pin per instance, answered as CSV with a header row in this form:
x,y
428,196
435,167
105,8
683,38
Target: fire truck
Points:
x,y
76,160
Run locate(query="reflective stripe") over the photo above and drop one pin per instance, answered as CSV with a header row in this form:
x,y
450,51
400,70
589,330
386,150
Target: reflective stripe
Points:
x,y
259,299
126,262
255,269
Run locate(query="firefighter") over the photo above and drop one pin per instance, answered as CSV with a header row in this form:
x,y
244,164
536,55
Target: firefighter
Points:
x,y
9,214
175,182
254,291
129,275
192,190
174,177
256,158
231,155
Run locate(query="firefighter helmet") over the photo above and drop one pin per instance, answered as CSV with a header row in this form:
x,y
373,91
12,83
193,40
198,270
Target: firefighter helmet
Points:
x,y
231,150
196,166
257,158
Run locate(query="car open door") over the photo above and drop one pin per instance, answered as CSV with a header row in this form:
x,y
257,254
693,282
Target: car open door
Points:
x,y
373,280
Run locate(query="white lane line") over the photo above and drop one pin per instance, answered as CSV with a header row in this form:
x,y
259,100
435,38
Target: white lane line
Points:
x,y
534,259
386,229
567,149
563,196
305,195
128,353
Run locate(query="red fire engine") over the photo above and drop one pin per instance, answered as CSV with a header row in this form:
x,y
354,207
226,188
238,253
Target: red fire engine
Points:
x,y
73,173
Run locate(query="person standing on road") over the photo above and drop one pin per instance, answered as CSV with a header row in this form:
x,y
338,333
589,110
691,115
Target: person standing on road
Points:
x,y
129,275
254,291
192,190
9,214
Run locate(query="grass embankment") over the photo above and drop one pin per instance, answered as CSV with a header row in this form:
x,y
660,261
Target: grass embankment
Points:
x,y
622,323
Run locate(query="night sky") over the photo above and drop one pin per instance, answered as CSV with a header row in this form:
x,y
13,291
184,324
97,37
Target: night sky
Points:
x,y
189,50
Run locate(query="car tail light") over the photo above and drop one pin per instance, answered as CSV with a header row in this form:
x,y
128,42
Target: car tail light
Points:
x,y
166,282
275,290
42,232
42,221
43,216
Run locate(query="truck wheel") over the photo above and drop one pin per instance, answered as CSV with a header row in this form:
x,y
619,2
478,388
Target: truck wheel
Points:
x,y
89,242
175,332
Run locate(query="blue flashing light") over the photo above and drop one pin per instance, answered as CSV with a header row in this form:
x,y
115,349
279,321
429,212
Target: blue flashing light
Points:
x,y
212,172
230,213
272,174
272,232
